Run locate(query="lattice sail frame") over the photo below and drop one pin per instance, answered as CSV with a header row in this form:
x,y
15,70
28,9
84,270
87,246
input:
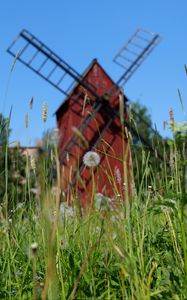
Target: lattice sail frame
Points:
x,y
134,52
33,53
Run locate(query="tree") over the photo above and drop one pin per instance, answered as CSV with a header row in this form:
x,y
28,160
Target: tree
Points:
x,y
147,144
140,120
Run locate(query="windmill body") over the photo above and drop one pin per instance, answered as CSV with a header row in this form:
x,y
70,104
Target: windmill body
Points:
x,y
89,117
102,133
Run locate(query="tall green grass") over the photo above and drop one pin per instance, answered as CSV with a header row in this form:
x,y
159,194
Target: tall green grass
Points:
x,y
132,250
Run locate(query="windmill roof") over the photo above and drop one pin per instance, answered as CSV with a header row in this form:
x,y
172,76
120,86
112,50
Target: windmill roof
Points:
x,y
76,84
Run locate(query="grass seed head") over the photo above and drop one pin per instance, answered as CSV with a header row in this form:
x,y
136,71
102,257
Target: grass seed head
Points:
x,y
33,163
27,120
44,112
31,102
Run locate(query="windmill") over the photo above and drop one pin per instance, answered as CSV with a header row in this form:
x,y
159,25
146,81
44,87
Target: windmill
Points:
x,y
89,117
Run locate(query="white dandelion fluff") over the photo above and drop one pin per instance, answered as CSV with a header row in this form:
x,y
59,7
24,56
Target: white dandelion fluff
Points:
x,y
34,246
102,202
91,159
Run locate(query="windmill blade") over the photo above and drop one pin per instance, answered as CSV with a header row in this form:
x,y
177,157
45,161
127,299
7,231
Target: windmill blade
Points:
x,y
30,51
134,52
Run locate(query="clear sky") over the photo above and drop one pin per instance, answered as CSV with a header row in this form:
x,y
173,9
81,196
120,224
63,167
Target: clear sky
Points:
x,y
82,30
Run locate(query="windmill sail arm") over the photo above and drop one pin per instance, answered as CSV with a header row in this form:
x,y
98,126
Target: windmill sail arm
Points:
x,y
33,53
134,52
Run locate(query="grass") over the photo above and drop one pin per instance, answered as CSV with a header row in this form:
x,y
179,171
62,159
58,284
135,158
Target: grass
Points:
x,y
133,250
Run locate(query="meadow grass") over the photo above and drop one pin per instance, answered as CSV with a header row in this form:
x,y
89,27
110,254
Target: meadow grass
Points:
x,y
136,249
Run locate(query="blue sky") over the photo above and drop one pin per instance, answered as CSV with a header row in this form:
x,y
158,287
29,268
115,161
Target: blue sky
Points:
x,y
79,31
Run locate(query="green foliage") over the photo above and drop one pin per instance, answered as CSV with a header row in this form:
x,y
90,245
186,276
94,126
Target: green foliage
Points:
x,y
140,119
124,250
16,175
4,130
149,153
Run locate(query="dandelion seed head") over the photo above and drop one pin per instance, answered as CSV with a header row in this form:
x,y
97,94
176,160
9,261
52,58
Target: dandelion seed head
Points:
x,y
34,246
102,202
91,159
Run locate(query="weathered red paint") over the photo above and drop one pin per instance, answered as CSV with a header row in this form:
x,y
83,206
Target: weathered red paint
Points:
x,y
113,147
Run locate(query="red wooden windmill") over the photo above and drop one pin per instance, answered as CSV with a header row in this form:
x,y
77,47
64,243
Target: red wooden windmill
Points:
x,y
88,120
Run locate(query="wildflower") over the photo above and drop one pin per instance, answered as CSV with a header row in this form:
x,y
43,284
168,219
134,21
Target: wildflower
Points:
x,y
44,112
91,159
34,247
